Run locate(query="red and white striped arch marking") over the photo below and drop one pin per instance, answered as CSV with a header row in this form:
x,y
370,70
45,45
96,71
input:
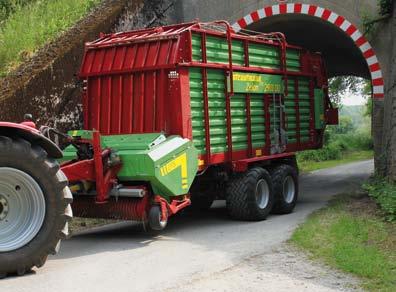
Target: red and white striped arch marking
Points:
x,y
327,15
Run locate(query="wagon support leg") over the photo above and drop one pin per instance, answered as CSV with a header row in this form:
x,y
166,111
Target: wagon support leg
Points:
x,y
168,209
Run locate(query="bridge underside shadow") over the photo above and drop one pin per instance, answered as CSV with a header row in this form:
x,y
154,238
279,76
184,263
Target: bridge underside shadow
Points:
x,y
341,54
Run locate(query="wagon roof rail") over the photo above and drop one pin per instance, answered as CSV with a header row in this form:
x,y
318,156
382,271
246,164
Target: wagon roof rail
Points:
x,y
168,31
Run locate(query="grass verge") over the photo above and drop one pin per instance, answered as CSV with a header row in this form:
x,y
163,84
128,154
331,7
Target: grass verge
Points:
x,y
35,24
351,235
384,194
309,165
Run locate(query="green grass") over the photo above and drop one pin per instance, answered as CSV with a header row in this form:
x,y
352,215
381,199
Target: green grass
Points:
x,y
346,157
35,24
353,241
384,194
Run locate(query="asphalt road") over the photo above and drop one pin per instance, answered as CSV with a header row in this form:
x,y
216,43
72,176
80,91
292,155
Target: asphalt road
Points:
x,y
205,249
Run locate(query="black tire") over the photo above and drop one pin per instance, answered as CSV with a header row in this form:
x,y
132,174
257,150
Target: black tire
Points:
x,y
154,219
201,202
283,176
33,160
241,200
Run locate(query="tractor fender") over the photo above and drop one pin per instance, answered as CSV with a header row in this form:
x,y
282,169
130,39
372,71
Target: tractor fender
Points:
x,y
32,135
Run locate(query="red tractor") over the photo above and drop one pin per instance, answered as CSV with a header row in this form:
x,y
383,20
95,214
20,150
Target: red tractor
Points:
x,y
34,198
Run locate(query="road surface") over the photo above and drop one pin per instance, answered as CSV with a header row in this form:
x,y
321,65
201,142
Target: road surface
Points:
x,y
195,253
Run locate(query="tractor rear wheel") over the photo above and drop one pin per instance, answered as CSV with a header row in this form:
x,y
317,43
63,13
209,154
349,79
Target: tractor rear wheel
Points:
x,y
34,206
250,195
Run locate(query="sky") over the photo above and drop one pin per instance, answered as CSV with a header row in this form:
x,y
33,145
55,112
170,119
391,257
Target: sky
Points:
x,y
351,99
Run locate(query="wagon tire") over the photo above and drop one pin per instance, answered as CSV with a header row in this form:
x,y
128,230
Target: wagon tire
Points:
x,y
155,222
28,177
249,196
285,184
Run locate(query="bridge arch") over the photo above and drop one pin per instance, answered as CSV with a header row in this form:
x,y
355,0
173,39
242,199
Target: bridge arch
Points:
x,y
363,57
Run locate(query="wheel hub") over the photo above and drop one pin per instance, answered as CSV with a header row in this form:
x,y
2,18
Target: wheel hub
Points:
x,y
289,189
262,194
3,207
22,208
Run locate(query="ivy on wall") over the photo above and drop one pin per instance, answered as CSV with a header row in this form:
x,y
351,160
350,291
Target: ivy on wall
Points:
x,y
370,23
385,7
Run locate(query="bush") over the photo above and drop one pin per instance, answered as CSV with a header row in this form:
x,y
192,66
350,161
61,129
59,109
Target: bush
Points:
x,y
384,193
353,141
328,152
337,145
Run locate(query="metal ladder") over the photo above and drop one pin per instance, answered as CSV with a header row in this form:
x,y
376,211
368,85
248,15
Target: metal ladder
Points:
x,y
279,132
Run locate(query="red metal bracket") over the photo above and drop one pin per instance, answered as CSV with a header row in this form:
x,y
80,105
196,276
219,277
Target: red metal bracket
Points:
x,y
172,208
243,164
94,170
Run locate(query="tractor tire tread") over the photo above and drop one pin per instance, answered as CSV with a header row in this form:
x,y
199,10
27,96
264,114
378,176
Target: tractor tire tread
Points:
x,y
47,172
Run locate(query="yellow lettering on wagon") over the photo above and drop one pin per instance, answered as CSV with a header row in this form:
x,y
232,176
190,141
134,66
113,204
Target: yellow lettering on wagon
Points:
x,y
253,88
180,161
246,77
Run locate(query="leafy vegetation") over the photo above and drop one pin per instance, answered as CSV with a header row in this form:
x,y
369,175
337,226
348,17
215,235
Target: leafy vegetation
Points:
x,y
384,194
346,142
371,23
346,85
28,25
385,7
351,237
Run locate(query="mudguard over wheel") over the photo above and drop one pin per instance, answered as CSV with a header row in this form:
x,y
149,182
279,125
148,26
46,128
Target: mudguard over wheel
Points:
x,y
34,206
250,195
285,184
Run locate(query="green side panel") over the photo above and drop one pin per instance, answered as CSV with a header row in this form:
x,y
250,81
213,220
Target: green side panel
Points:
x,y
197,109
217,114
260,55
217,51
217,111
304,106
238,122
319,109
293,60
196,47
266,56
169,164
258,120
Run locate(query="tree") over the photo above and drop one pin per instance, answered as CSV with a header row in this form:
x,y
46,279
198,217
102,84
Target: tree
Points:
x,y
342,85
